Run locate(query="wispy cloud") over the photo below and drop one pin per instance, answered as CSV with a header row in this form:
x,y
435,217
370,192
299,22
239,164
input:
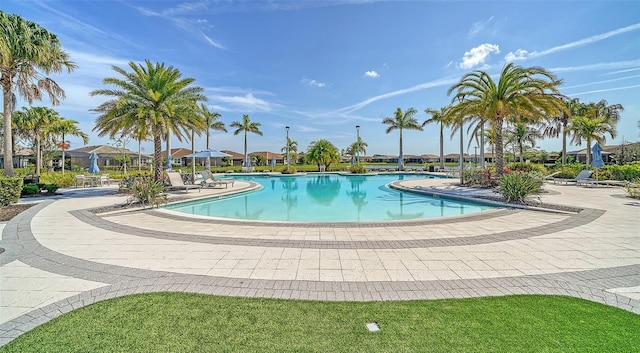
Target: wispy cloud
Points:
x,y
602,90
180,17
313,83
603,81
239,100
478,56
522,54
599,66
479,26
372,73
420,87
623,71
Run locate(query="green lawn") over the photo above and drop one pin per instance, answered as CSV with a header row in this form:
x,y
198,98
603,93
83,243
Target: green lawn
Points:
x,y
178,322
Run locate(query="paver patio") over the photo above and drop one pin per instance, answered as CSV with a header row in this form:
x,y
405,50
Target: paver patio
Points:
x,y
59,256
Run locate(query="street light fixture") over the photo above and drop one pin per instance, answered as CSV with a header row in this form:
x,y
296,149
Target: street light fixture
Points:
x,y
358,144
287,145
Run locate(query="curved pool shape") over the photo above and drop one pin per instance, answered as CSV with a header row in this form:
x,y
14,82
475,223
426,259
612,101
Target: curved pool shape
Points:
x,y
328,198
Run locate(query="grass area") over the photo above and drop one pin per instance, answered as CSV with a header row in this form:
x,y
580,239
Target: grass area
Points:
x,y
179,322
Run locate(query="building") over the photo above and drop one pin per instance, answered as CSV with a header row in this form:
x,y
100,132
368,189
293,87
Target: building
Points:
x,y
108,156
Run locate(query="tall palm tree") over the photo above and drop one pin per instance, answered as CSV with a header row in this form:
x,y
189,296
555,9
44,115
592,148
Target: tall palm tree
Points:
x,y
211,119
246,126
594,122
558,124
63,128
522,135
153,98
443,119
402,121
531,93
33,123
26,51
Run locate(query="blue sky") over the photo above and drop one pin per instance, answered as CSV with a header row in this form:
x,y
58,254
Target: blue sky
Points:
x,y
324,67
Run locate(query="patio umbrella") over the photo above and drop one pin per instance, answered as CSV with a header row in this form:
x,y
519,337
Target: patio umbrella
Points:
x,y
208,154
399,163
93,163
273,161
352,160
597,161
247,163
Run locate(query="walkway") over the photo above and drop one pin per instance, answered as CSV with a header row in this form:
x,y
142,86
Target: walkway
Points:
x,y
59,256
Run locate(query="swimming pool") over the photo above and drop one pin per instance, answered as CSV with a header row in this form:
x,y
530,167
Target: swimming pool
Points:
x,y
328,198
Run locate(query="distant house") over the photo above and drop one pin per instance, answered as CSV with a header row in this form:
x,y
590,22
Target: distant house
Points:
x,y
178,158
108,156
237,159
21,157
607,154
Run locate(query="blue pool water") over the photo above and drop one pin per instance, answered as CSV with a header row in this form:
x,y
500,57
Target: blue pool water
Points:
x,y
328,198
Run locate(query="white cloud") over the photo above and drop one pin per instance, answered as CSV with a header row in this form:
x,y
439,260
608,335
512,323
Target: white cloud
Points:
x,y
478,55
599,66
371,73
313,83
246,103
520,54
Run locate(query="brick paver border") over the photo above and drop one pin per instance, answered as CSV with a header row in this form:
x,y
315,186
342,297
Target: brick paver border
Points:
x,y
20,244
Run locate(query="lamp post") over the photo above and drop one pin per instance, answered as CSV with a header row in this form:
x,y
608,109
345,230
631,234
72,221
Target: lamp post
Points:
x,y
358,144
287,145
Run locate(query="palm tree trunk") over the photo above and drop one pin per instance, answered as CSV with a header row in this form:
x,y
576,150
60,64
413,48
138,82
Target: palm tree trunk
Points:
x,y
588,152
497,130
62,148
38,154
245,148
564,144
482,165
157,156
520,145
8,139
441,146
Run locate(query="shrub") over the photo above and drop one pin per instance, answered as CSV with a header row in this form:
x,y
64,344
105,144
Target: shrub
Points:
x,y
358,169
30,189
528,167
517,186
65,181
51,188
478,177
289,170
10,189
627,172
147,191
633,189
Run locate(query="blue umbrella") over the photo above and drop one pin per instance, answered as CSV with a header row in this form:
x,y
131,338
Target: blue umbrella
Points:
x,y
399,162
168,164
597,161
93,165
353,160
273,161
247,162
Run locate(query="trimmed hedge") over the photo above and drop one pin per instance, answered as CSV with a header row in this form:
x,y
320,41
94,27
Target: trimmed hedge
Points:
x,y
10,189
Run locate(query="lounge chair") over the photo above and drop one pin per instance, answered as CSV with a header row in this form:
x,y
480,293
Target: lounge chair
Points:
x,y
550,177
177,184
582,176
82,180
104,180
211,181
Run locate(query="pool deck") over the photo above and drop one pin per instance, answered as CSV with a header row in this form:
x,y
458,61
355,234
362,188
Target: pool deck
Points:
x,y
59,256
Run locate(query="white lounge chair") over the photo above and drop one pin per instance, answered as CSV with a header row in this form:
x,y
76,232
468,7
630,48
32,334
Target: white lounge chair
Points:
x,y
582,176
82,180
177,184
104,180
211,181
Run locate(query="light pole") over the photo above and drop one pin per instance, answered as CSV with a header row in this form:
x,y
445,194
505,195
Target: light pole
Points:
x,y
287,145
358,144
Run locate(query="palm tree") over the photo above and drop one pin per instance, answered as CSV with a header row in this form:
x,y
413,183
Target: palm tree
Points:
x,y
33,123
26,51
531,93
443,119
323,153
402,121
292,147
211,119
558,124
67,127
594,122
524,135
152,98
246,126
357,148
